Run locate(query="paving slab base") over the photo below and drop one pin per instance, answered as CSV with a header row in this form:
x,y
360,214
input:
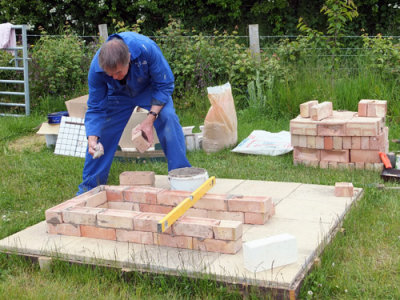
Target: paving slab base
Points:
x,y
311,213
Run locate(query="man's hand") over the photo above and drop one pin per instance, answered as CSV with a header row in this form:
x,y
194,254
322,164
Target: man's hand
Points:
x,y
92,143
147,125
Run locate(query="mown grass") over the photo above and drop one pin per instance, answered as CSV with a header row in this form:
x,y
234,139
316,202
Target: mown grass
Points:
x,y
361,262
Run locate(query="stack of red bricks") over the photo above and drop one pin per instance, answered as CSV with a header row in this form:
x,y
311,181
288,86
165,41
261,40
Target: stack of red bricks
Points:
x,y
340,139
131,214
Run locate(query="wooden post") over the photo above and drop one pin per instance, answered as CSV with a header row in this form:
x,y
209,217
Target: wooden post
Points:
x,y
103,31
254,41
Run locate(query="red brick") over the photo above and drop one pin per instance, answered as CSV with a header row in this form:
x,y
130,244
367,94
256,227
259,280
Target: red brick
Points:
x,y
375,108
321,111
343,189
378,142
334,125
98,233
54,216
249,204
335,155
64,229
323,164
212,201
346,142
337,143
184,242
115,218
294,140
365,142
195,227
303,126
221,246
154,208
303,140
132,236
256,218
228,230
96,199
121,205
82,215
195,212
319,142
363,108
365,156
142,194
311,141
363,126
115,192
332,164
308,163
226,215
356,142
173,198
306,154
139,141
147,221
359,165
51,228
137,178
305,108
328,143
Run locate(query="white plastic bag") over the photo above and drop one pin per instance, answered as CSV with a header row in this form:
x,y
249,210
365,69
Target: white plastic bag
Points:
x,y
265,143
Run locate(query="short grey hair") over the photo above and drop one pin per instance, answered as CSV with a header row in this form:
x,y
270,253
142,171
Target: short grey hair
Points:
x,y
114,53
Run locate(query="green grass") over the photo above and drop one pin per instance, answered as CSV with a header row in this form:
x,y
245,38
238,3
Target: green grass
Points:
x,y
361,262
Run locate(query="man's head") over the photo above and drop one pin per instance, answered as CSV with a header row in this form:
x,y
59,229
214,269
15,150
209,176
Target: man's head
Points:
x,y
114,58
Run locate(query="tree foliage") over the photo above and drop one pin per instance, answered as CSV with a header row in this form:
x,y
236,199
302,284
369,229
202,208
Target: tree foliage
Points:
x,y
274,17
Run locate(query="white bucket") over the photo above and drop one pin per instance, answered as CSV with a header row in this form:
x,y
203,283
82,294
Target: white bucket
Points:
x,y
187,179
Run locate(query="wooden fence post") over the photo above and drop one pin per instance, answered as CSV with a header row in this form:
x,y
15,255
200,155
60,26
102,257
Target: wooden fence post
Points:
x,y
103,31
254,41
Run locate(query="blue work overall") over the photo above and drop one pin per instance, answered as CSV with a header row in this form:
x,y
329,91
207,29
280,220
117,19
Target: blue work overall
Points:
x,y
149,82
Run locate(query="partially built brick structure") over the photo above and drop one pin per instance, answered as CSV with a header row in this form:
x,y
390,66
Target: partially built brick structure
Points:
x,y
131,214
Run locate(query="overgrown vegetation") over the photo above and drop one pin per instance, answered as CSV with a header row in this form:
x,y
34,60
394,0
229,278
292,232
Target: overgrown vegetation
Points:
x,y
362,261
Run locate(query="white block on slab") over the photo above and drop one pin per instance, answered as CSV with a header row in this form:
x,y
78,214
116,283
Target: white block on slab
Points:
x,y
271,252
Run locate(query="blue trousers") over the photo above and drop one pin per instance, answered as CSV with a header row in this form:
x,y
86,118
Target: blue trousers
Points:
x,y
169,132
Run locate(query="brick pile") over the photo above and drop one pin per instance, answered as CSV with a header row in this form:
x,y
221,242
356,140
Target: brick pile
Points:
x,y
327,138
131,214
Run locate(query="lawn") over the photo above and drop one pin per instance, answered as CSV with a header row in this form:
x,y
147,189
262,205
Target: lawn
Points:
x,y
361,262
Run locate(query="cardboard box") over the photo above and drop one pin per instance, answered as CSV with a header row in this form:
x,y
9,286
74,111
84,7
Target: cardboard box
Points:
x,y
77,107
50,131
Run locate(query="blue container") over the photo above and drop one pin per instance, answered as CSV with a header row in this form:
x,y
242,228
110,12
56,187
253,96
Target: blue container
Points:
x,y
55,118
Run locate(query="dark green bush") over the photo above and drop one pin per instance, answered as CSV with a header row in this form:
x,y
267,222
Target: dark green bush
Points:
x,y
59,65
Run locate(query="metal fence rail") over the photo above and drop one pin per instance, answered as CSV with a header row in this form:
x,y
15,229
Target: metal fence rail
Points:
x,y
23,66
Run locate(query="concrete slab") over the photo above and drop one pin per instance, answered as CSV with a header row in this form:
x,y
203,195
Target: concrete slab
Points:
x,y
311,213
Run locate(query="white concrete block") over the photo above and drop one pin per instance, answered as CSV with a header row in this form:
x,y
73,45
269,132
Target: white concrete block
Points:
x,y
264,254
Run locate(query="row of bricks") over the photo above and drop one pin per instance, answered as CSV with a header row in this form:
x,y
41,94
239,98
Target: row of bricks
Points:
x,y
340,165
339,124
380,142
147,238
319,111
340,156
141,221
248,210
244,217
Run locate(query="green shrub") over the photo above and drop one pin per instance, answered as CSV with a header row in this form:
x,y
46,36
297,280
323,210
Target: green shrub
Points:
x,y
59,65
199,61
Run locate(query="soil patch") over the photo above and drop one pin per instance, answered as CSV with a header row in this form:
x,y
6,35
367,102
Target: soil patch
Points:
x,y
32,142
